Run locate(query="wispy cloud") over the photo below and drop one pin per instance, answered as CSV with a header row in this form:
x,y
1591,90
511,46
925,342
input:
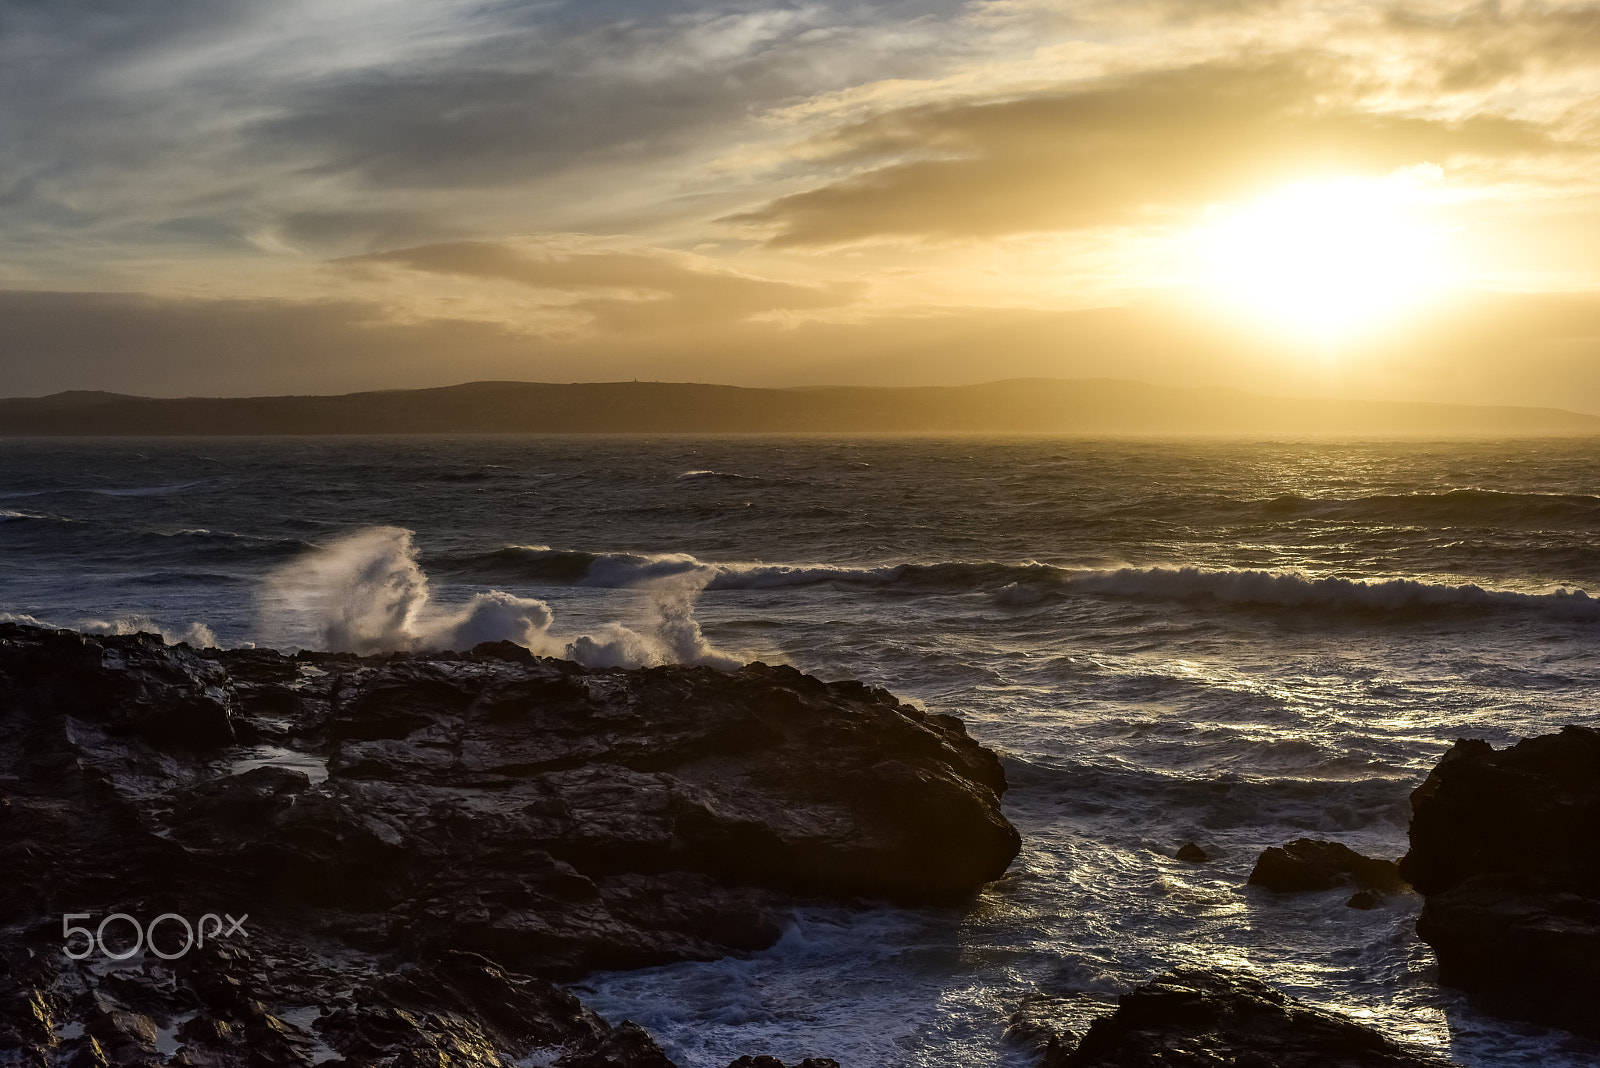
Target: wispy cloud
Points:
x,y
544,186
1117,151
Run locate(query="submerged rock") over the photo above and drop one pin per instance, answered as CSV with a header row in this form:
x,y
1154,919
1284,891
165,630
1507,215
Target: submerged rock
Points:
x,y
1366,900
554,818
1204,1017
1306,865
1505,847
1190,853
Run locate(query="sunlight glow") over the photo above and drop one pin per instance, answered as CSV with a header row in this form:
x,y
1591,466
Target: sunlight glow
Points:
x,y
1328,259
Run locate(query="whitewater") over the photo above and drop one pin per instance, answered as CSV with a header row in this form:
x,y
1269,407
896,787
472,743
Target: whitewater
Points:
x,y
1231,643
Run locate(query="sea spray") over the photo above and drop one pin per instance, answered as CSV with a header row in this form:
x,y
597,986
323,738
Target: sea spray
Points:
x,y
196,635
366,593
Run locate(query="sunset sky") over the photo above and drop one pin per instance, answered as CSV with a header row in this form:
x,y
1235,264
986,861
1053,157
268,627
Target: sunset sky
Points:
x,y
1394,200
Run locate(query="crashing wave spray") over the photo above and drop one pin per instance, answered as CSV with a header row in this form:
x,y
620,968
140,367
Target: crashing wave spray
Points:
x,y
365,593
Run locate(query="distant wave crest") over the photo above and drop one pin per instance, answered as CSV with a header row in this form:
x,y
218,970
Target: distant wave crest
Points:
x,y
1295,590
1025,583
1456,507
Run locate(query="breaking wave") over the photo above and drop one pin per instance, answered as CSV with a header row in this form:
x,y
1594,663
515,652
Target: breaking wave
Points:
x,y
1295,590
197,635
366,593
1025,583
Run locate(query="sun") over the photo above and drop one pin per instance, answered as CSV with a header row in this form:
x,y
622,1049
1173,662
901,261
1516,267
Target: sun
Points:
x,y
1327,259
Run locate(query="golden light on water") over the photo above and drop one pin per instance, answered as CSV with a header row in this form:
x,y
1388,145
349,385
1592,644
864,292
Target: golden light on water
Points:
x,y
1328,259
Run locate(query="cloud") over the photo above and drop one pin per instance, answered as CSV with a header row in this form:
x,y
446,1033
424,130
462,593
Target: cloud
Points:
x,y
1143,147
1485,44
621,291
295,119
131,343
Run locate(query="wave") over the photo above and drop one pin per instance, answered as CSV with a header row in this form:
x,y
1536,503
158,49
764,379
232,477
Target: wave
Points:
x,y
1295,590
197,635
164,490
1028,582
542,564
366,593
160,545
706,475
1472,507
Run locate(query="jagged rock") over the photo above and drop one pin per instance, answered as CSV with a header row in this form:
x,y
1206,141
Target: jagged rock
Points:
x,y
1308,865
626,1046
432,806
1203,1017
1505,847
1048,1026
1190,853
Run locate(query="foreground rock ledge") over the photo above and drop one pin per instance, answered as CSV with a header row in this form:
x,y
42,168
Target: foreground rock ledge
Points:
x,y
1505,847
361,810
1204,1017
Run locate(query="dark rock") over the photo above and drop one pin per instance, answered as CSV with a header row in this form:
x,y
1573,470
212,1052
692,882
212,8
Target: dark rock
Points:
x,y
1190,853
1202,1017
626,1046
1365,900
1308,865
430,808
1504,849
774,1062
131,686
1048,1026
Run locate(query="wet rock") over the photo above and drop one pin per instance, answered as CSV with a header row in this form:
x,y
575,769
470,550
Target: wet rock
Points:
x,y
774,1062
1503,848
1204,1017
626,1046
1309,865
1366,900
418,811
1190,853
1048,1026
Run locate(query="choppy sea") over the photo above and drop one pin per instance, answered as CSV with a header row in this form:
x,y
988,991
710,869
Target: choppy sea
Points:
x,y
1231,643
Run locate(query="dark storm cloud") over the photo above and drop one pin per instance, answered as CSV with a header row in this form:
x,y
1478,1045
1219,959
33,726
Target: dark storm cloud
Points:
x,y
660,292
1119,151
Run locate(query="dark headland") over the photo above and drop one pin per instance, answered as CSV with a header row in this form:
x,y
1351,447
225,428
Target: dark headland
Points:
x,y
1099,406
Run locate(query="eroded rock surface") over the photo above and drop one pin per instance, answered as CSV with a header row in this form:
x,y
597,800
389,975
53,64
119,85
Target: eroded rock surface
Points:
x,y
1205,1017
1505,847
1307,864
375,813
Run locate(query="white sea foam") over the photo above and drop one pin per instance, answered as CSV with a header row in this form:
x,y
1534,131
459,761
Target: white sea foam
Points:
x,y
196,634
1296,590
1029,582
366,593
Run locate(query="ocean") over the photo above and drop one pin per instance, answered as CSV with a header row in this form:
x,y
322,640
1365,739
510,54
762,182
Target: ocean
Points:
x,y
1227,642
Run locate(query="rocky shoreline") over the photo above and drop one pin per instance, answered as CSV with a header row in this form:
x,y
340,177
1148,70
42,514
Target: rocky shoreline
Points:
x,y
415,848
1505,848
489,820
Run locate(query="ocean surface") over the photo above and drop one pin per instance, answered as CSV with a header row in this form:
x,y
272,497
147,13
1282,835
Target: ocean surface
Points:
x,y
1234,643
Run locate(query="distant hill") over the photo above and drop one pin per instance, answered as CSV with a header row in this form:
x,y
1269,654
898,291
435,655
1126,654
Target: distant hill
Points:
x,y
1037,405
